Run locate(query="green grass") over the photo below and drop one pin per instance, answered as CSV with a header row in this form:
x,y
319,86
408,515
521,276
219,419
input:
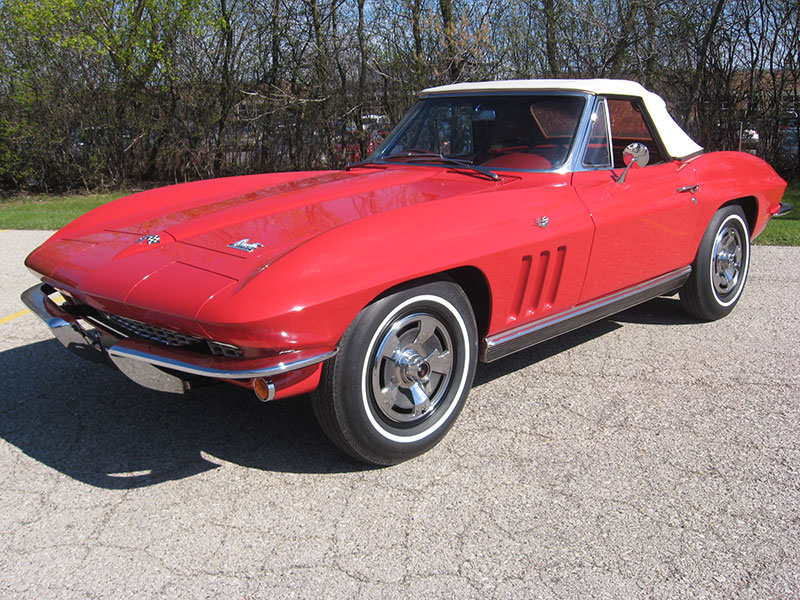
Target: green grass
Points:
x,y
47,211
52,212
785,230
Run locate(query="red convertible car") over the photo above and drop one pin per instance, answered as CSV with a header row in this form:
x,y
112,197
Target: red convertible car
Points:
x,y
495,216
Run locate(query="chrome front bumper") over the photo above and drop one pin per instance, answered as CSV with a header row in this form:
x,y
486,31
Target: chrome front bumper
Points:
x,y
152,366
63,326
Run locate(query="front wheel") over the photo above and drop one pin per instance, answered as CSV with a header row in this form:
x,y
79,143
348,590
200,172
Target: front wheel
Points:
x,y
402,374
720,269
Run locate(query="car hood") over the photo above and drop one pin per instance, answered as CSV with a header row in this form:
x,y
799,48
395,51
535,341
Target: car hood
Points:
x,y
130,249
278,218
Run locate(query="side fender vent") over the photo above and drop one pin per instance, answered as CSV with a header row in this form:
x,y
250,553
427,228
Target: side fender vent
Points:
x,y
537,284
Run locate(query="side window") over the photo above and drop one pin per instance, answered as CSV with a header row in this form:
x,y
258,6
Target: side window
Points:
x,y
597,150
628,125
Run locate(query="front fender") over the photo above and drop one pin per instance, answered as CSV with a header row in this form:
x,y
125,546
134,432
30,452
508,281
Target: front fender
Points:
x,y
309,297
727,176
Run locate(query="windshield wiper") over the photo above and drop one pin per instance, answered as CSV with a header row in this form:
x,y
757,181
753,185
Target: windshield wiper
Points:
x,y
362,163
424,156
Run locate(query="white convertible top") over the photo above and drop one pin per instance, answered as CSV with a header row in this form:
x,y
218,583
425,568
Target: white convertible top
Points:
x,y
676,142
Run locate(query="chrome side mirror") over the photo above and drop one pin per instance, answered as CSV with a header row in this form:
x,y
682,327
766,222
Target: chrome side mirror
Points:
x,y
634,153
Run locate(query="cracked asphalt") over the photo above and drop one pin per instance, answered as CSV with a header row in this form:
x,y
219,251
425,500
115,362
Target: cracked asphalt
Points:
x,y
645,456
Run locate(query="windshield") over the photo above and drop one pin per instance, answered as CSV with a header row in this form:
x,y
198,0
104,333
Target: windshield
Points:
x,y
518,132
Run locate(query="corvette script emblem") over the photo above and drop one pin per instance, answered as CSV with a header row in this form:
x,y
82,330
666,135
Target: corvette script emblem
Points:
x,y
245,245
150,239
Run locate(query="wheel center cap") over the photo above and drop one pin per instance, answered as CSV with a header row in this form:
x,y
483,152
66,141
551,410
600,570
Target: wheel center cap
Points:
x,y
413,368
423,370
727,260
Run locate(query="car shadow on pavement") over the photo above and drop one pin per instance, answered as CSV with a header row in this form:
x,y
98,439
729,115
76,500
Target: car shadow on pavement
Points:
x,y
488,372
664,310
94,425
659,311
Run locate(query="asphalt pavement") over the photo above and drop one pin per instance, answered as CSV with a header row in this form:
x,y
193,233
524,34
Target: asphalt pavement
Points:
x,y
645,456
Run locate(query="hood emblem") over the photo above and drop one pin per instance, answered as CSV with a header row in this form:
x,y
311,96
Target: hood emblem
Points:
x,y
150,239
245,245
542,222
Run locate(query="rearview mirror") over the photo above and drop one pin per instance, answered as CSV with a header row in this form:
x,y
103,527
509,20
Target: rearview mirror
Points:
x,y
634,154
483,114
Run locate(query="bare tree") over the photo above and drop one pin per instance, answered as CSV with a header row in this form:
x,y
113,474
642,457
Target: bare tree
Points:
x,y
111,92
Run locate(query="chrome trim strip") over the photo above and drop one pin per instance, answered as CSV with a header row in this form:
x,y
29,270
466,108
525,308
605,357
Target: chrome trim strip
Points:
x,y
103,326
185,367
600,104
521,337
574,161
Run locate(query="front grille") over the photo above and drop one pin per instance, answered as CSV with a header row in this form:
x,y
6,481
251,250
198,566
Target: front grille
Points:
x,y
168,337
133,328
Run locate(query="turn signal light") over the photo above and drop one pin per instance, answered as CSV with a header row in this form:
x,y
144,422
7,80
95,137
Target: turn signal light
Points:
x,y
264,389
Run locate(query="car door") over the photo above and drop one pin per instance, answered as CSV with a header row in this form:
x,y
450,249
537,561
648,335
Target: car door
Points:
x,y
645,224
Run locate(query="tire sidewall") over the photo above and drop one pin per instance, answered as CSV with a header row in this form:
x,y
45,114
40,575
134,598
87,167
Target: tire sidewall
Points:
x,y
358,413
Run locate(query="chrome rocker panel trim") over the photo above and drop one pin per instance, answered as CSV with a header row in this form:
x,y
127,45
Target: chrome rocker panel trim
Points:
x,y
521,337
144,366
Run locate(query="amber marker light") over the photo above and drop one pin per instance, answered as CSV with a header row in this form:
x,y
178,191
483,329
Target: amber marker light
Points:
x,y
264,389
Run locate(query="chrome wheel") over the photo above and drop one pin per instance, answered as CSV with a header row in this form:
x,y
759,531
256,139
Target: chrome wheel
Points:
x,y
412,368
727,261
719,271
402,374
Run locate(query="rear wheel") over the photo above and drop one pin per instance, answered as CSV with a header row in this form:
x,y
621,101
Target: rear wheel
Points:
x,y
720,269
402,374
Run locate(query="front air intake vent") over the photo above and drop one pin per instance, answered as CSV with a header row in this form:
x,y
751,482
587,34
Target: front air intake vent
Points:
x,y
137,329
220,349
132,328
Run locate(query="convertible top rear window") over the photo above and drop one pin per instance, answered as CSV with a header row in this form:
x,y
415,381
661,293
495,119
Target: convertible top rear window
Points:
x,y
527,132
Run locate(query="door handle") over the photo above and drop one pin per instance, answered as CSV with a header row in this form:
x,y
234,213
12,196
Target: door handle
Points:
x,y
689,188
